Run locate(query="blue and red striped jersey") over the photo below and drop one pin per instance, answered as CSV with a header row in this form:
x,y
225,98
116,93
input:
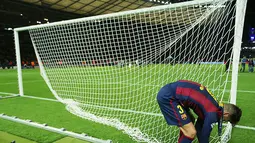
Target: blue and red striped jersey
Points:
x,y
197,97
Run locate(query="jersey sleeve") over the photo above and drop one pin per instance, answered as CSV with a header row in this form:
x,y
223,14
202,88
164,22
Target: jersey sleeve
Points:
x,y
199,126
209,121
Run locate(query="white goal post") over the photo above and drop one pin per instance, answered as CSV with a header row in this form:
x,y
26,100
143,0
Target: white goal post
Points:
x,y
109,68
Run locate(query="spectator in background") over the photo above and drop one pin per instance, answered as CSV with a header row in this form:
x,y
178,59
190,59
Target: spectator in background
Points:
x,y
93,62
10,65
6,64
60,62
2,64
22,64
84,63
33,64
137,62
251,65
25,65
243,62
198,61
107,62
112,62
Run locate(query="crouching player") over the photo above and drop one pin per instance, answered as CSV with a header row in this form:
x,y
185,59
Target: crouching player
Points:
x,y
175,101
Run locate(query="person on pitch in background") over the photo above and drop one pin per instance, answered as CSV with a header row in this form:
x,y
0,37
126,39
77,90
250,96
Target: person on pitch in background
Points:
x,y
251,65
243,62
175,101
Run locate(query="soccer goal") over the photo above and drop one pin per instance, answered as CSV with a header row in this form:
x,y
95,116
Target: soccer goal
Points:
x,y
109,68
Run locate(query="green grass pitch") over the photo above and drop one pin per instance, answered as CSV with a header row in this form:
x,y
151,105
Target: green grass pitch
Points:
x,y
56,115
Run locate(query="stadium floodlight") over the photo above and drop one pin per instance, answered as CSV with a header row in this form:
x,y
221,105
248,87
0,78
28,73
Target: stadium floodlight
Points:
x,y
110,71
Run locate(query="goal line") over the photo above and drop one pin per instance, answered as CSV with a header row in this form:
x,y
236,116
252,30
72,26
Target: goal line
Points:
x,y
54,100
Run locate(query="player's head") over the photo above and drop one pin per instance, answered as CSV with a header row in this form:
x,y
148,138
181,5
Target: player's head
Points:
x,y
232,113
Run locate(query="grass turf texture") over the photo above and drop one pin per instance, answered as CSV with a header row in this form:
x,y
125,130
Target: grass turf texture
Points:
x,y
56,115
8,138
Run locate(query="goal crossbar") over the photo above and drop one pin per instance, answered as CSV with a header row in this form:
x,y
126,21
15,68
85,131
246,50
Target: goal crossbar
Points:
x,y
142,10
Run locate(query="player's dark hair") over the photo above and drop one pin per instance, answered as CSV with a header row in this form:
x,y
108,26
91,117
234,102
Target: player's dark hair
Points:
x,y
235,114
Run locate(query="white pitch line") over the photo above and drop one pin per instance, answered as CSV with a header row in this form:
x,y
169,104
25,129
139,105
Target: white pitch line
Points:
x,y
246,91
40,98
242,127
6,93
242,91
23,82
137,112
245,127
28,96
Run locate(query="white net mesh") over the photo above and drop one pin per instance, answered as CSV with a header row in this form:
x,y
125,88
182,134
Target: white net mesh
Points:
x,y
109,68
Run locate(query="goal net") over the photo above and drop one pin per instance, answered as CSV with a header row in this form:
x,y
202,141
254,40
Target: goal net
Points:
x,y
109,68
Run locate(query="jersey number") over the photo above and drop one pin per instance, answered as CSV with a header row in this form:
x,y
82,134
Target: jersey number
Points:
x,y
180,109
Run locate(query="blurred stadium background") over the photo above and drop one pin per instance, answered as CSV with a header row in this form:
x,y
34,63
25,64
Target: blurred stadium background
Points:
x,y
18,13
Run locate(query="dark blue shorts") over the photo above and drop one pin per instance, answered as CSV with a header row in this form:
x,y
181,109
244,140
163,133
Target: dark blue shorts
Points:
x,y
173,111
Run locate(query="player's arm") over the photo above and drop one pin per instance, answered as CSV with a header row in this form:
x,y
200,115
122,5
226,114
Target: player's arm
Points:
x,y
205,132
199,126
207,128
